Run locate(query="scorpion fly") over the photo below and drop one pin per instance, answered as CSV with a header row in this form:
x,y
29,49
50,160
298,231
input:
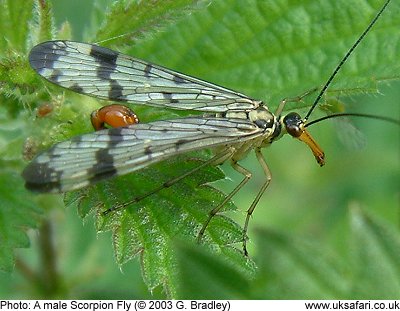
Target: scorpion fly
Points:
x,y
232,124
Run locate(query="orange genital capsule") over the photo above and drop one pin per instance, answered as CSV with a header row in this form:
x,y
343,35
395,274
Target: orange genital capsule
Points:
x,y
114,116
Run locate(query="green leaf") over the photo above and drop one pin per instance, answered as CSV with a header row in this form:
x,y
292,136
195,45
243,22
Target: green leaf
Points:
x,y
206,276
375,251
15,74
18,213
150,226
42,24
292,268
19,209
15,16
127,21
271,50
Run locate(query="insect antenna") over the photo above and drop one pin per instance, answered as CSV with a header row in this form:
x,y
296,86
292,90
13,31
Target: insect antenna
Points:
x,y
344,59
351,114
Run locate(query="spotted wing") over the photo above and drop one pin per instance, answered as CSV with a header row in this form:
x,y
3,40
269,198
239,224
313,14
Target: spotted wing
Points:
x,y
89,158
101,72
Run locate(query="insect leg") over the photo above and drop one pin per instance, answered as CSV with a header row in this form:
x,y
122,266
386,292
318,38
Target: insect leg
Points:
x,y
214,211
253,205
298,98
216,159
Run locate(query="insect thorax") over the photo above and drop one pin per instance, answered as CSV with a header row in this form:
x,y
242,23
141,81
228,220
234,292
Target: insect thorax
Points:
x,y
268,122
264,120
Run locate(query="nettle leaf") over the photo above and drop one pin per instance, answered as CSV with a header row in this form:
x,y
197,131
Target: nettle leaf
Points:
x,y
42,25
14,21
150,227
272,50
375,254
291,268
206,276
18,213
141,18
18,21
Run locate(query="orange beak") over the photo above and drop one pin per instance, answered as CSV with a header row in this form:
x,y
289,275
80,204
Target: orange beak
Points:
x,y
315,148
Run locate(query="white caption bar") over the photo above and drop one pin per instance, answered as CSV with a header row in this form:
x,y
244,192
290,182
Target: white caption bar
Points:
x,y
219,305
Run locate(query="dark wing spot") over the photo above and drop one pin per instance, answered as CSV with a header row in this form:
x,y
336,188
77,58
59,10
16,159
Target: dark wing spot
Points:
x,y
180,142
105,57
168,96
107,60
104,168
178,80
111,172
45,188
55,75
147,70
148,152
104,72
43,56
75,87
115,91
39,178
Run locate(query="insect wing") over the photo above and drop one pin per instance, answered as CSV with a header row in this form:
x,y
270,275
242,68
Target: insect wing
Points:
x,y
89,158
101,72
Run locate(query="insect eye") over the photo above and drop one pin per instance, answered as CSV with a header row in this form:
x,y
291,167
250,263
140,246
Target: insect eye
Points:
x,y
293,124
